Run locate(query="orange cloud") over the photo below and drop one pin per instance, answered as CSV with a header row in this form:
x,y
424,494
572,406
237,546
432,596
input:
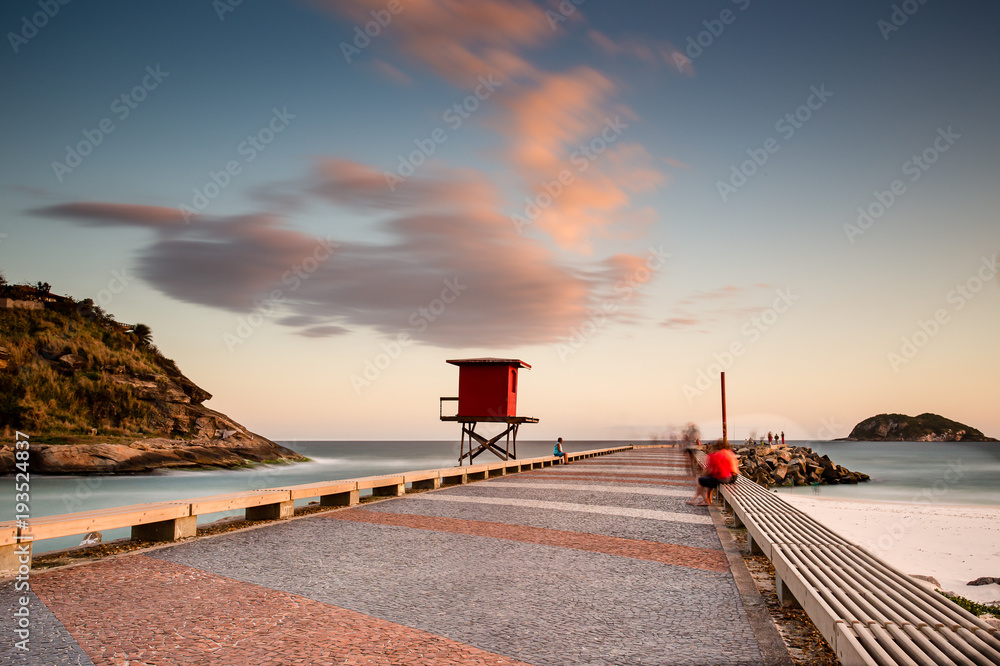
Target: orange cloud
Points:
x,y
459,40
553,124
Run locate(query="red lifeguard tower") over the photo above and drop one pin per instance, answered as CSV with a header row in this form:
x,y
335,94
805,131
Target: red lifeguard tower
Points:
x,y
487,393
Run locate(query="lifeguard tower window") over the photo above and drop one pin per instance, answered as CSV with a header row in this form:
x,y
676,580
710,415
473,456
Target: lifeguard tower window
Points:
x,y
513,380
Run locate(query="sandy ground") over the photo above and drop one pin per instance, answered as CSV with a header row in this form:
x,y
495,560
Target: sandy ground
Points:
x,y
954,544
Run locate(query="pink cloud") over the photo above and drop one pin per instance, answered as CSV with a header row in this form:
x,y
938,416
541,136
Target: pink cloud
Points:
x,y
508,290
681,322
457,39
550,122
357,185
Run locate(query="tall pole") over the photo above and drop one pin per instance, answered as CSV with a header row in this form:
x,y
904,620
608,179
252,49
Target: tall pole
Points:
x,y
725,432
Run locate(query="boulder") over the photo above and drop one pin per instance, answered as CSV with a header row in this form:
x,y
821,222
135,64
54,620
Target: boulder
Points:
x,y
984,580
73,361
49,353
930,579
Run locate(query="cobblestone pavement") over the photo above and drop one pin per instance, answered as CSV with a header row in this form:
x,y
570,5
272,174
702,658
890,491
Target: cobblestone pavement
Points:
x,y
46,635
585,564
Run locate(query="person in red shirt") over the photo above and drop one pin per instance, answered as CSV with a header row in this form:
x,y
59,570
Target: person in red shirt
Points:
x,y
721,466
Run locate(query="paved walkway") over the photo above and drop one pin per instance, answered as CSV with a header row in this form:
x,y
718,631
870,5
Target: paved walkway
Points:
x,y
599,562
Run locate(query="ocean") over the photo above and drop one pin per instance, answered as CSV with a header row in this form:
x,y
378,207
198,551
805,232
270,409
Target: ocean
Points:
x,y
922,472
940,473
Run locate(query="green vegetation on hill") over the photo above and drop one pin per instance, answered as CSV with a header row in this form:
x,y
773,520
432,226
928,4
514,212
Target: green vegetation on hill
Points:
x,y
70,368
98,397
923,428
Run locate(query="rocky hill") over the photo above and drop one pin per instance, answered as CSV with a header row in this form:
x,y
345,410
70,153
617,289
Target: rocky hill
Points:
x,y
922,428
96,396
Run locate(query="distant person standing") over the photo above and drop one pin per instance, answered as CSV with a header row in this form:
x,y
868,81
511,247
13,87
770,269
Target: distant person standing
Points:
x,y
782,437
770,439
557,450
692,446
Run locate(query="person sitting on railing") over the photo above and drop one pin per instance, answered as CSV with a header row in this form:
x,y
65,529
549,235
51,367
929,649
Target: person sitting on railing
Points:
x,y
557,450
721,466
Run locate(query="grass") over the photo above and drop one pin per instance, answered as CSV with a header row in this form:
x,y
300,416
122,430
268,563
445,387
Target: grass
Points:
x,y
45,397
972,606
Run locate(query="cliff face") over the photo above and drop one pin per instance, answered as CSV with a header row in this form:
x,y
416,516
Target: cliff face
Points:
x,y
922,428
95,397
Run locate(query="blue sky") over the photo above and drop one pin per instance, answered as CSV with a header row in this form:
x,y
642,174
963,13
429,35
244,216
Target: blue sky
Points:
x,y
286,292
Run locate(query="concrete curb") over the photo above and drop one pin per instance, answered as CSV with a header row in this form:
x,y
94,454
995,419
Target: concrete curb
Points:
x,y
772,646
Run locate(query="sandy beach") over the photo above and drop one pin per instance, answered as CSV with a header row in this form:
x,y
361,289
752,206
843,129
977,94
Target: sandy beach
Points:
x,y
954,544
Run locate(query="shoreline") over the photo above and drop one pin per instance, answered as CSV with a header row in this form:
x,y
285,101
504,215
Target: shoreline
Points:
x,y
950,542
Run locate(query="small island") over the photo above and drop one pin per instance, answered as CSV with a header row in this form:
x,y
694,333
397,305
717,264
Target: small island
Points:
x,y
97,397
922,428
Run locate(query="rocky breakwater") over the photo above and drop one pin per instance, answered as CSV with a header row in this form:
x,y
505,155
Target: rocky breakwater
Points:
x,y
792,466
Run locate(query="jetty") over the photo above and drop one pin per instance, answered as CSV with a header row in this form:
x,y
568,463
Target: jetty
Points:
x,y
597,562
513,562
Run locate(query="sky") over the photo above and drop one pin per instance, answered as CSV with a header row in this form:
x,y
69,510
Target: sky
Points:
x,y
315,203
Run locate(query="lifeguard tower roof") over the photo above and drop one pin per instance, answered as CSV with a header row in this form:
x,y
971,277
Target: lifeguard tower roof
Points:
x,y
487,387
517,363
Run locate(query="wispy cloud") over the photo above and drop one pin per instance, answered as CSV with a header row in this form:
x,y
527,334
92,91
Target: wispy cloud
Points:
x,y
554,124
457,39
516,291
703,308
652,53
444,223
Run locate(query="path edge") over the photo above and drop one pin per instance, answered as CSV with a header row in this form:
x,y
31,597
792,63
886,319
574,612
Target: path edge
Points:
x,y
772,646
